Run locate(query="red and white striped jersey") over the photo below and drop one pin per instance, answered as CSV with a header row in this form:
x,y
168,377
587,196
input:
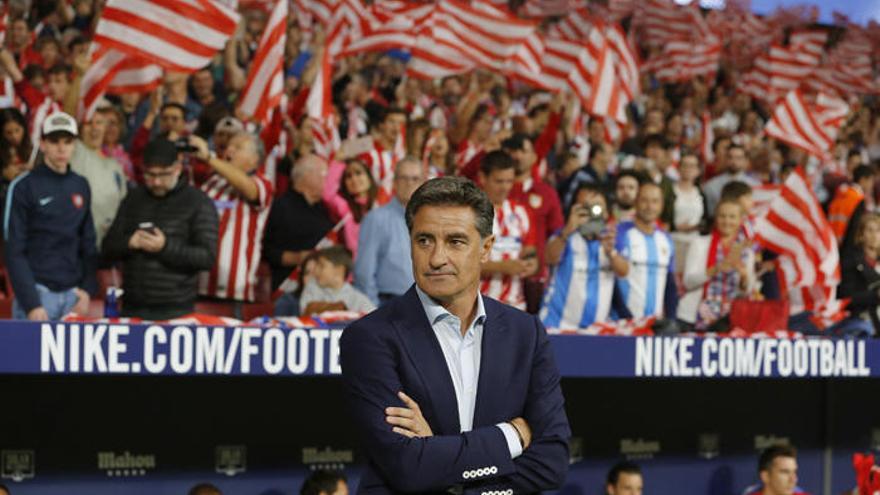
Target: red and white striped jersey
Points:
x,y
466,151
240,238
514,230
381,163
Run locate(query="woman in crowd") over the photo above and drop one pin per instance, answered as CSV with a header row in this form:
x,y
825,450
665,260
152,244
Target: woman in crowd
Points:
x,y
860,272
691,216
350,192
718,269
14,135
114,137
436,156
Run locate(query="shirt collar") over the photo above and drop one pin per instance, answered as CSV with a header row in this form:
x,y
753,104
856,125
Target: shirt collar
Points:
x,y
435,312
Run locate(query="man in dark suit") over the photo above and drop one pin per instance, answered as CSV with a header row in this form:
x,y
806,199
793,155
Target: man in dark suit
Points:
x,y
451,391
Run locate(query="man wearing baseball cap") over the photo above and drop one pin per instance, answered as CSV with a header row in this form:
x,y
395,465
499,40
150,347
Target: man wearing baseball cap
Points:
x,y
50,237
165,233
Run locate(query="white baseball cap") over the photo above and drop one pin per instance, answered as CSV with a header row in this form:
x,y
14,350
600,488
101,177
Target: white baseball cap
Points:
x,y
59,122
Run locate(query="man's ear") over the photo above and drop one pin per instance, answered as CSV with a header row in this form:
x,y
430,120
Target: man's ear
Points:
x,y
765,478
486,248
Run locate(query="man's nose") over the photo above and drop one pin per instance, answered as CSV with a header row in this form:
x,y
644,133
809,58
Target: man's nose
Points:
x,y
438,256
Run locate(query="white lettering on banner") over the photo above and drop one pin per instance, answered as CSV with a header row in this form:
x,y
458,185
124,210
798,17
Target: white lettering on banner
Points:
x,y
154,363
297,351
320,337
74,349
210,344
181,350
248,348
51,348
734,357
93,351
273,351
116,349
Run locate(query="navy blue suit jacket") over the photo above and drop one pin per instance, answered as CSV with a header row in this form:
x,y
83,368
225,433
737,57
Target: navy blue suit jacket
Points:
x,y
395,349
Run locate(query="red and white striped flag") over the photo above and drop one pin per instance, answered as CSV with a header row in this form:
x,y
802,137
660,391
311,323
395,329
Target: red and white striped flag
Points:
x,y
182,35
319,108
4,21
810,127
265,83
796,228
112,71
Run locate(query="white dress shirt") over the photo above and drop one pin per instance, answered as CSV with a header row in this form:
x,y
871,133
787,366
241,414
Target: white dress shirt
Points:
x,y
462,354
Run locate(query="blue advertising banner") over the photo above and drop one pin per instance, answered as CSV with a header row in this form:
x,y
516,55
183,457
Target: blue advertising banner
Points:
x,y
101,348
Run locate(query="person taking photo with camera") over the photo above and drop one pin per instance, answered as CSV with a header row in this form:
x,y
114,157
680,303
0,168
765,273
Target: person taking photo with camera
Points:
x,y
584,262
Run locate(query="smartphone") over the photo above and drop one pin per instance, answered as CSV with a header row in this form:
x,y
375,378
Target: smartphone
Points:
x,y
147,226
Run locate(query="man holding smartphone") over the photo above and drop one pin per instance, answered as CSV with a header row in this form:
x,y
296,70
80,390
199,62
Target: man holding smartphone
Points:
x,y
165,233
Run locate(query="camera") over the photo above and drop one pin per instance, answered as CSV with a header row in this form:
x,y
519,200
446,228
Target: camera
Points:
x,y
595,224
183,146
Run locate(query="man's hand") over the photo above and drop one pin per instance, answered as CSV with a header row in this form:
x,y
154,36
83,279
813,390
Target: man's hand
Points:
x,y
608,238
203,153
408,421
82,302
524,430
136,240
152,242
578,216
38,314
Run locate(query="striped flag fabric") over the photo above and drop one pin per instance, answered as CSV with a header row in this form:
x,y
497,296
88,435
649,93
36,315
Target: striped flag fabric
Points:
x,y
319,108
181,35
795,227
265,83
812,127
784,68
4,21
112,71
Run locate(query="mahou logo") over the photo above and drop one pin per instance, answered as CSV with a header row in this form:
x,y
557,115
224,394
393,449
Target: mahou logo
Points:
x,y
126,463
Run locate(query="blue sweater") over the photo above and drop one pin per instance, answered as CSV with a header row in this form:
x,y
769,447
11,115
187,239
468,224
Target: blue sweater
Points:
x,y
50,237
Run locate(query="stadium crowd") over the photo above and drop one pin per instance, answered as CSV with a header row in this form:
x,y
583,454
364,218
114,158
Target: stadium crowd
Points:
x,y
595,221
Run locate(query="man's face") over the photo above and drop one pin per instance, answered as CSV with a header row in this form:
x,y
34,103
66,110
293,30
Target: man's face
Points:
x,y
524,157
602,157
203,83
627,484
172,120
498,184
447,251
626,191
58,86
241,153
736,160
597,131
93,131
57,150
312,182
781,478
20,32
658,155
649,203
160,180
392,125
407,179
589,199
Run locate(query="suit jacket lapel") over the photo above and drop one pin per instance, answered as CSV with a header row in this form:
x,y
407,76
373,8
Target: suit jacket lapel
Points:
x,y
494,358
421,343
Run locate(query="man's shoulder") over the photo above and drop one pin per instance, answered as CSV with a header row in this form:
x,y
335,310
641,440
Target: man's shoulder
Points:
x,y
510,316
371,326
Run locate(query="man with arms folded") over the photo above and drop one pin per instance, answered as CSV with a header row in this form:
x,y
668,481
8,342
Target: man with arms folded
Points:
x,y
435,413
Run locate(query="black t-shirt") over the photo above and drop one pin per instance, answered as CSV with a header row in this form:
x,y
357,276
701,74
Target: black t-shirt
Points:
x,y
293,225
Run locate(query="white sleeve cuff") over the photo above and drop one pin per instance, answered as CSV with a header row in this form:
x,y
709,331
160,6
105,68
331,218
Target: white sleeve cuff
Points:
x,y
512,437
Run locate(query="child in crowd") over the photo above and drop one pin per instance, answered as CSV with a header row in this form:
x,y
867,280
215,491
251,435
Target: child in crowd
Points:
x,y
329,290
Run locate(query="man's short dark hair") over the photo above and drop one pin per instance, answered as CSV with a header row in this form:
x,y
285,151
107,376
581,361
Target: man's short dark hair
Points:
x,y
854,152
382,113
515,142
453,191
173,104
635,174
622,467
60,68
33,71
205,489
735,190
338,256
863,172
594,150
734,146
496,160
770,454
322,481
657,140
